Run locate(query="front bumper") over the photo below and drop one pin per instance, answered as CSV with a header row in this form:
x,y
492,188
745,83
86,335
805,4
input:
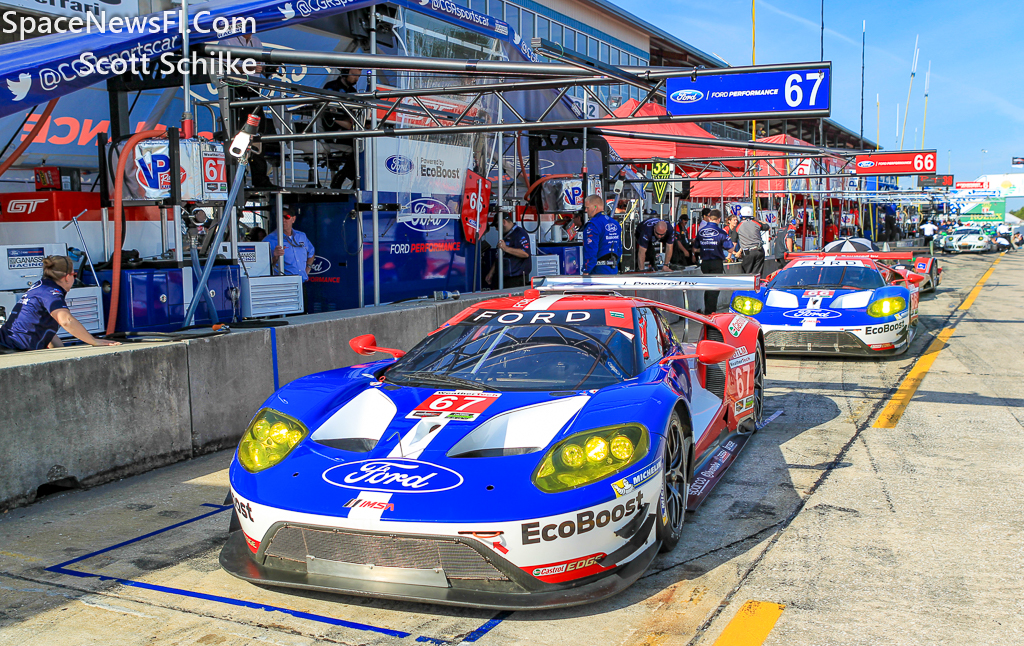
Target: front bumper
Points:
x,y
499,583
833,341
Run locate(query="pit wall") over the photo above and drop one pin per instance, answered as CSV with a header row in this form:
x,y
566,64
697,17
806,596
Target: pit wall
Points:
x,y
82,416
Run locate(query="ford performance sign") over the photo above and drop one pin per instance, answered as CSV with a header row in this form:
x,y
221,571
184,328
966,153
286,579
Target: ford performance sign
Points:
x,y
775,93
393,475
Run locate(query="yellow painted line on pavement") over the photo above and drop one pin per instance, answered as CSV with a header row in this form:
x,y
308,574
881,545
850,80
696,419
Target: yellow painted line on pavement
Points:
x,y
751,625
893,411
966,305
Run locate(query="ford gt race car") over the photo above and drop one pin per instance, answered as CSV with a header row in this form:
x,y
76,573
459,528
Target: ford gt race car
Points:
x,y
850,304
534,451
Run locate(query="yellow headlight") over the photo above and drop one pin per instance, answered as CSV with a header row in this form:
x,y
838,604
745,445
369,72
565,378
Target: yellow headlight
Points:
x,y
622,448
271,436
572,456
587,457
597,449
887,306
747,305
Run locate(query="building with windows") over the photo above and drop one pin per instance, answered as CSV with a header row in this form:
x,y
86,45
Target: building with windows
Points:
x,y
608,33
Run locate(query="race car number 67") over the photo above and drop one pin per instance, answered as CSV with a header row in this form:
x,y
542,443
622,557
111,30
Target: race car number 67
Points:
x,y
444,402
743,376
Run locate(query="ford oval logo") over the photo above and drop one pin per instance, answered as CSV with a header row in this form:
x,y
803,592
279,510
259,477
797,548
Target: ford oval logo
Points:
x,y
867,163
320,265
811,314
427,213
393,475
687,96
398,164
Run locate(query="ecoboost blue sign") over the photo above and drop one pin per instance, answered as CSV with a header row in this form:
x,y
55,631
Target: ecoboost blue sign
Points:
x,y
752,92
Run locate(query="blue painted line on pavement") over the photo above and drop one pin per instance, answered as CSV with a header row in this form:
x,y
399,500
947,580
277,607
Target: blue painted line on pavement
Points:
x,y
62,568
488,626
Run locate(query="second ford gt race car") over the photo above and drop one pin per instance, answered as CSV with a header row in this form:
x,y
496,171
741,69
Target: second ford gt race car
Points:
x,y
849,304
535,451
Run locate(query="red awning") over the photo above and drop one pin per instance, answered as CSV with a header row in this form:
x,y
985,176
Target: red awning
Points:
x,y
643,149
715,189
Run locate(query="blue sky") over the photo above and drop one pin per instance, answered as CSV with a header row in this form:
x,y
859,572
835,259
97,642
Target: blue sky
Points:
x,y
976,95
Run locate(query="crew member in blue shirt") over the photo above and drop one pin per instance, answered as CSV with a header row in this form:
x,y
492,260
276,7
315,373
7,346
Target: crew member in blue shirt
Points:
x,y
713,242
650,231
602,239
515,244
41,311
296,248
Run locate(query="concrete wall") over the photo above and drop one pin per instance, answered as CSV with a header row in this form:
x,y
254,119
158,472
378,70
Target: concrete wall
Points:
x,y
84,416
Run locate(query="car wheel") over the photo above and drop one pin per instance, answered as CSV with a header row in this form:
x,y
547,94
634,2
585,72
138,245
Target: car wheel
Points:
x,y
758,415
933,275
675,484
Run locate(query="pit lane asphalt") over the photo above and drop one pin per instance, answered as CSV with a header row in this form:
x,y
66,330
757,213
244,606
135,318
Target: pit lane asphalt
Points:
x,y
906,536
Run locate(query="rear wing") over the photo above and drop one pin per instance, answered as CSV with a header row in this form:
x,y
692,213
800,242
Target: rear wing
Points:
x,y
646,283
862,255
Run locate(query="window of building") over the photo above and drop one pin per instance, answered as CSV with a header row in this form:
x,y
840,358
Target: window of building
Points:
x,y
604,53
557,32
543,27
480,6
512,15
527,27
496,8
592,47
570,39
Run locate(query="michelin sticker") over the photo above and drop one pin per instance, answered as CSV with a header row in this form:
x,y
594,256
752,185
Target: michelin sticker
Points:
x,y
627,485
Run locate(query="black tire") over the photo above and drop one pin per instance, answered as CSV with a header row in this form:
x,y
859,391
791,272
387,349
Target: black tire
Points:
x,y
675,483
759,367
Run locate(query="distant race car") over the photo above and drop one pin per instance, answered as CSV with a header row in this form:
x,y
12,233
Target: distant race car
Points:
x,y
534,451
968,239
848,304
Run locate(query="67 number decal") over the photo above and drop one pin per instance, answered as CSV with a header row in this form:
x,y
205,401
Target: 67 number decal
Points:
x,y
741,383
455,405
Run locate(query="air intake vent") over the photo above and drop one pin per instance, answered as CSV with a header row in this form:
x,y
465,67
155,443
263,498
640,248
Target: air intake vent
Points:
x,y
716,379
714,334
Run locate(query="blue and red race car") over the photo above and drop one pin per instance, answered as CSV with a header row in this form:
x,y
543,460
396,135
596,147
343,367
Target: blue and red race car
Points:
x,y
534,451
836,303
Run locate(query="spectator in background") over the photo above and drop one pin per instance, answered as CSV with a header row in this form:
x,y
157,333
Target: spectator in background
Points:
x,y
732,225
714,243
750,242
41,311
294,246
256,234
259,169
343,166
791,235
651,231
831,231
515,244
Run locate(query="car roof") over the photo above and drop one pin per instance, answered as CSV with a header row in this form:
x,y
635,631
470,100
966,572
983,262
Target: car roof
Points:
x,y
868,262
554,303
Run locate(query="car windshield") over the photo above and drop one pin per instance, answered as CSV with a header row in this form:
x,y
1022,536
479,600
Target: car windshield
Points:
x,y
833,277
966,230
529,351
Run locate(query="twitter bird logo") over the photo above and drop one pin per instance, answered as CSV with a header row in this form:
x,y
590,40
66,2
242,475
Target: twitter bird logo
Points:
x,y
287,10
20,87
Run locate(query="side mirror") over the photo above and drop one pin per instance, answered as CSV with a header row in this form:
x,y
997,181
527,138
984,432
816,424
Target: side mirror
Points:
x,y
915,279
366,345
707,352
714,351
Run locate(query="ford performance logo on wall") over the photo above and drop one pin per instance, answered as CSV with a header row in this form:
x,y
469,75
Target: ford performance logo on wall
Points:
x,y
687,96
393,475
812,314
425,214
320,266
867,163
398,164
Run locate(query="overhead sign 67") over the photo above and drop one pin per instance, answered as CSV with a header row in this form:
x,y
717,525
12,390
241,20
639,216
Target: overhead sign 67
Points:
x,y
774,92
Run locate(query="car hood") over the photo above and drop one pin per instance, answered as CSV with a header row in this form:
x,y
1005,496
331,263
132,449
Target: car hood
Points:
x,y
320,476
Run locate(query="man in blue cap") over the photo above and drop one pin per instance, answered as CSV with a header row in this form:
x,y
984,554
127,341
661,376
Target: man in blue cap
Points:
x,y
791,235
602,239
